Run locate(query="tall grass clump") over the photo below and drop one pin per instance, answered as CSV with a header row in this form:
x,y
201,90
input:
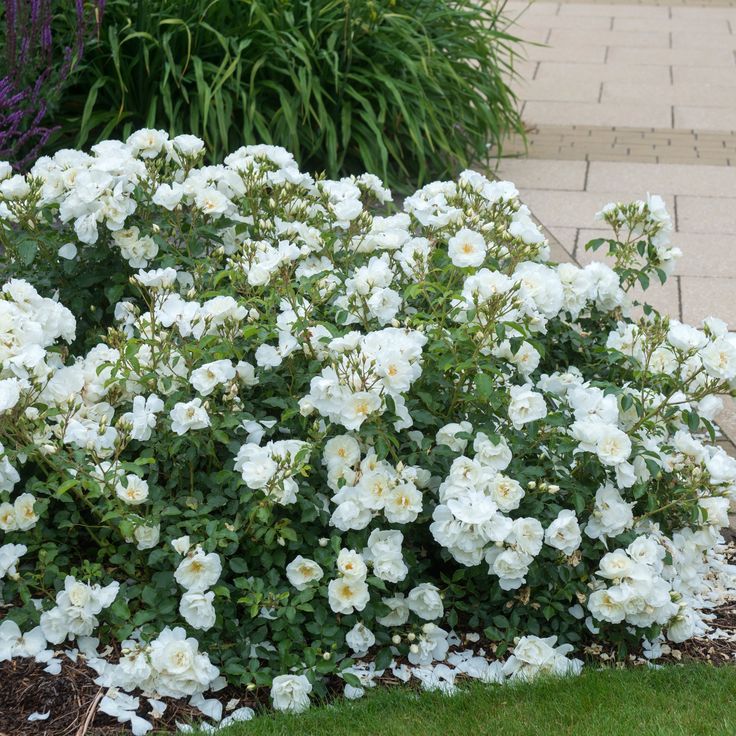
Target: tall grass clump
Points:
x,y
407,89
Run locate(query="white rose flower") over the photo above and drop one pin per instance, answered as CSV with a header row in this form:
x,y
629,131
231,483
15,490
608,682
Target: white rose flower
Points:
x,y
189,415
647,551
385,543
351,514
147,142
246,373
390,569
721,467
467,248
495,454
608,605
403,503
682,626
525,406
181,544
9,393
133,492
612,445
685,337
617,565
534,656
268,356
301,572
424,600
181,669
256,465
360,639
159,278
564,532
8,476
447,435
527,535
147,536
611,514
188,145
716,508
168,196
207,377
291,693
398,613
15,187
10,555
197,610
142,419
55,625
348,594
8,518
341,451
505,492
25,516
198,570
351,564
719,358
510,565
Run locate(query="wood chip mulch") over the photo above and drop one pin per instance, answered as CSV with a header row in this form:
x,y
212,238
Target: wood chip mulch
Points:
x,y
714,651
71,698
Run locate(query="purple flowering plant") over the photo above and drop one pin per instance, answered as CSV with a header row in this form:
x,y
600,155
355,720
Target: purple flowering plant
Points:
x,y
36,66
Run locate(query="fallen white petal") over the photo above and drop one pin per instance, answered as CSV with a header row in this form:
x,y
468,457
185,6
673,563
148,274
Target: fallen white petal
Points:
x,y
158,707
241,714
211,707
53,667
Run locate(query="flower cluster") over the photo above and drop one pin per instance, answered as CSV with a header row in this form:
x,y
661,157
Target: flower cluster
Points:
x,y
170,665
290,437
76,610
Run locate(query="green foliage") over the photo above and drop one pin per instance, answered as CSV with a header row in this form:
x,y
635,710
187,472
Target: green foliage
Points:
x,y
406,90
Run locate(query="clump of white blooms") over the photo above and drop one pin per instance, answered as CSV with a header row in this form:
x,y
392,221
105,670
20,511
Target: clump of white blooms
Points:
x,y
254,430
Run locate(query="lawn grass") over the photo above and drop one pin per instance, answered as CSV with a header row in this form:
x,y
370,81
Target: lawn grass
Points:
x,y
691,700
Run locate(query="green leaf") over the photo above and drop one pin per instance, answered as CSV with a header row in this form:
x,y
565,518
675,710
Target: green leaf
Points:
x,y
27,250
383,659
595,244
351,679
484,385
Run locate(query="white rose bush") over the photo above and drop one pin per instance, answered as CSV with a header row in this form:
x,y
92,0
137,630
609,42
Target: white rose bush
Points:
x,y
257,429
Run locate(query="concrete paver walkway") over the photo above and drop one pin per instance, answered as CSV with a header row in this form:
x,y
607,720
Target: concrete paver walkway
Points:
x,y
626,98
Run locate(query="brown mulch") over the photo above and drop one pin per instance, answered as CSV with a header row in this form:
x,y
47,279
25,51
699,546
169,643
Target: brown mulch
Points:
x,y
72,698
714,651
25,689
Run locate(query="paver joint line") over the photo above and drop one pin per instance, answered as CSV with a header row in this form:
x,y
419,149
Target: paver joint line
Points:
x,y
587,142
